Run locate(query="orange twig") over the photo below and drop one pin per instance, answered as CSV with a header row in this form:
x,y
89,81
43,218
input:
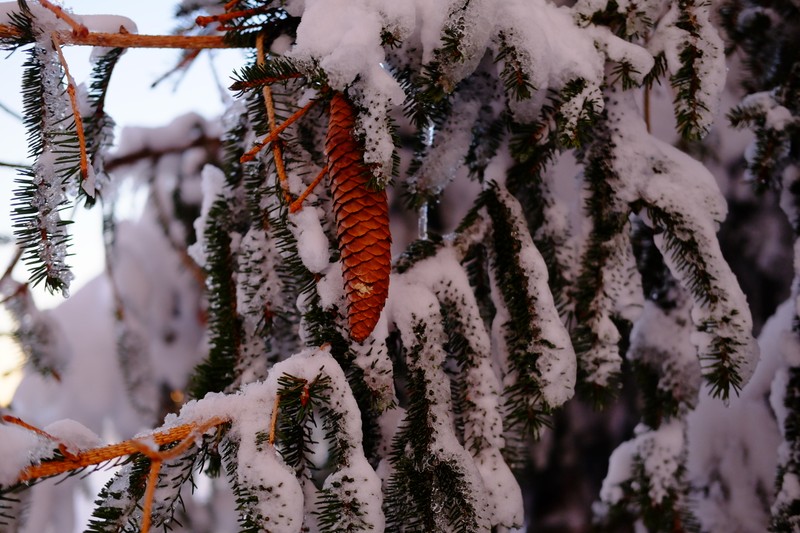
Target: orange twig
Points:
x,y
131,40
96,456
157,457
149,494
298,204
225,17
273,424
269,103
78,29
73,98
273,135
9,419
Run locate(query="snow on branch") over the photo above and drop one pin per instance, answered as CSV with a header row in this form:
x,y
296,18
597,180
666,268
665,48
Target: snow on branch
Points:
x,y
685,226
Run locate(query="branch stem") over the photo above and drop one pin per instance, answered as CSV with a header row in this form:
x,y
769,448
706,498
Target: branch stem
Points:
x,y
73,99
131,40
96,456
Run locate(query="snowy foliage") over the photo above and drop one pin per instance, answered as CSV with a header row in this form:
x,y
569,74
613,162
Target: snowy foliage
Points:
x,y
220,344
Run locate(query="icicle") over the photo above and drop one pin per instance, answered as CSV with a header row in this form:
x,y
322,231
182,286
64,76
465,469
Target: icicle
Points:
x,y
423,221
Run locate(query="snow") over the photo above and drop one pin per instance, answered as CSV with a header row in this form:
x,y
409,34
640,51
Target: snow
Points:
x,y
17,447
447,150
659,340
728,462
671,39
557,46
107,23
213,190
312,243
413,307
73,435
343,37
260,467
654,454
672,181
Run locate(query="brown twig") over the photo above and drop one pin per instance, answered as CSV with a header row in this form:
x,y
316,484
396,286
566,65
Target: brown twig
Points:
x,y
273,135
647,108
157,457
95,456
273,423
244,85
9,419
150,494
186,60
277,152
298,204
73,98
78,29
226,17
211,144
131,40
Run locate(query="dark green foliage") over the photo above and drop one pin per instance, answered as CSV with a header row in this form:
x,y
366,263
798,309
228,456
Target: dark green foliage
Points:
x,y
250,520
424,485
573,131
216,373
777,142
653,365
10,509
298,400
609,221
720,367
336,515
670,515
272,21
417,251
278,69
98,126
527,409
690,103
516,79
526,181
38,200
22,22
117,503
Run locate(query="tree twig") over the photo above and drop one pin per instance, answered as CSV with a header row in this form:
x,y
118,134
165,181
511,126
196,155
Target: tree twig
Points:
x,y
95,456
76,112
131,40
78,29
273,135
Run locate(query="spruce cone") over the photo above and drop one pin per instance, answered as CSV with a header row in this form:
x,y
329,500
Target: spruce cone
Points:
x,y
362,222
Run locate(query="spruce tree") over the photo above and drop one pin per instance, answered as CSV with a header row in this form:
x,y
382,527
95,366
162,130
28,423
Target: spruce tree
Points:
x,y
362,301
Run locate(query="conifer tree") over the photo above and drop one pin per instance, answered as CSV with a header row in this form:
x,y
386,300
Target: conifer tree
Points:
x,y
291,346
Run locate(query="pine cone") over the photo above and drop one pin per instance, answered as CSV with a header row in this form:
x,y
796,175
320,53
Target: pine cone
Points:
x,y
362,222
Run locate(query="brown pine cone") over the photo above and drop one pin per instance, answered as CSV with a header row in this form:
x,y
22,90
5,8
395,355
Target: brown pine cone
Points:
x,y
362,222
